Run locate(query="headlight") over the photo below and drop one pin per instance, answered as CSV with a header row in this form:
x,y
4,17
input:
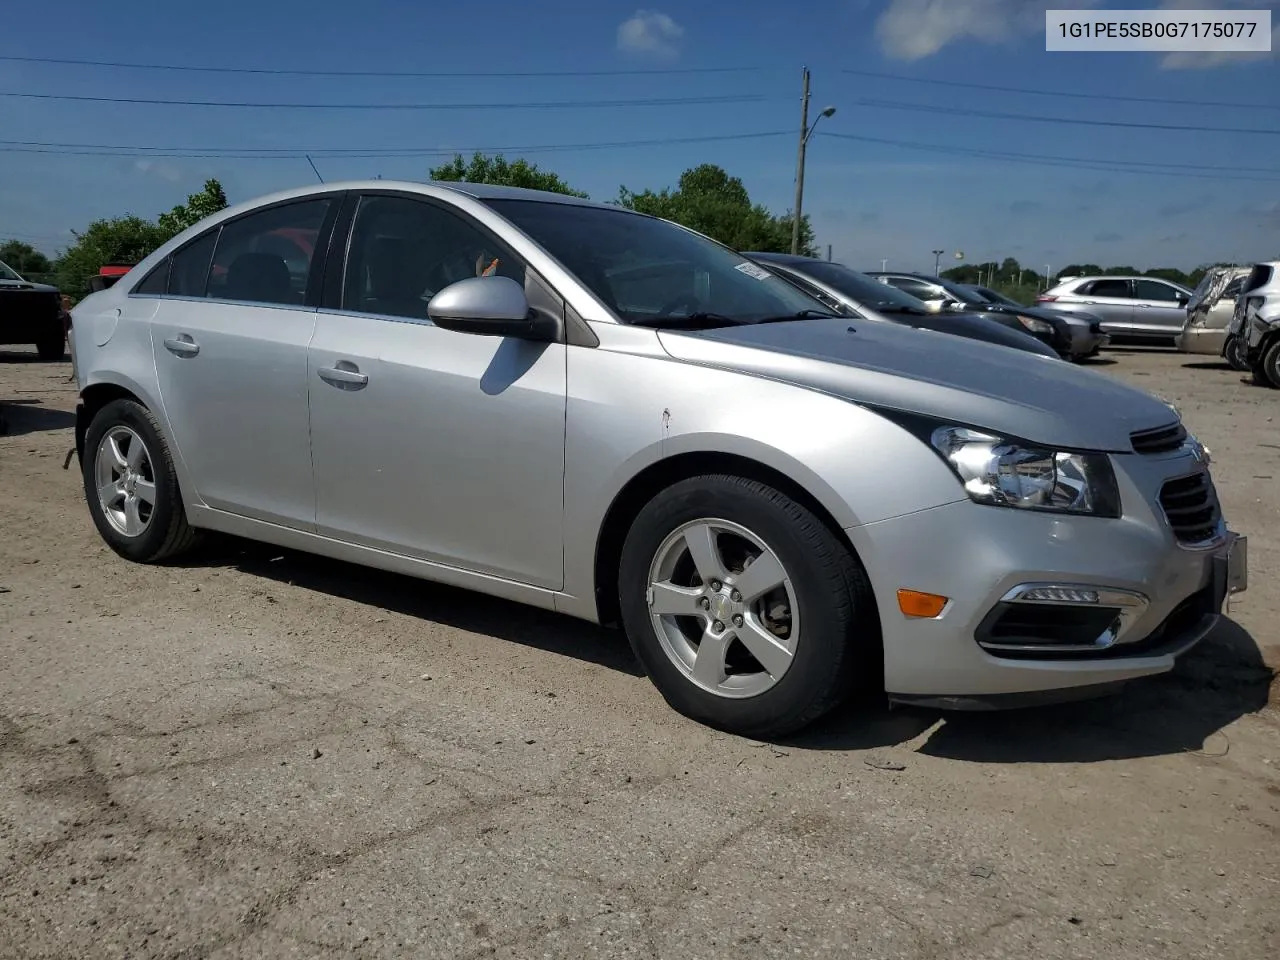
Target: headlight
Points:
x,y
1007,474
1034,325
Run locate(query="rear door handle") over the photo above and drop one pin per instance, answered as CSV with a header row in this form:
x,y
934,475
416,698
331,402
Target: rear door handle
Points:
x,y
182,345
343,374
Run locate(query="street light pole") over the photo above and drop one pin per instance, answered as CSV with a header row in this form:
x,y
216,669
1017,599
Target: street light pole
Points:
x,y
937,260
806,132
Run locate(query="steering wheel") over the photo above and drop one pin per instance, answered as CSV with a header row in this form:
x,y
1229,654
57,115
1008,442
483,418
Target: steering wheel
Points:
x,y
685,299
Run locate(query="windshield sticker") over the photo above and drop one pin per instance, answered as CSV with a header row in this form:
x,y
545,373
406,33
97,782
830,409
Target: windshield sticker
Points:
x,y
751,270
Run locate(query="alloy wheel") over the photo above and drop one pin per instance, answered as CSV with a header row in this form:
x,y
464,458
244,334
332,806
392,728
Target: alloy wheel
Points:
x,y
723,608
125,481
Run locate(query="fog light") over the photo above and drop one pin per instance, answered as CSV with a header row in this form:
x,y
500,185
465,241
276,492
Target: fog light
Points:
x,y
1058,595
919,605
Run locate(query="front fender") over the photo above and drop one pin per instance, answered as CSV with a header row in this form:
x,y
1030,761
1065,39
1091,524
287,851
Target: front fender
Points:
x,y
860,466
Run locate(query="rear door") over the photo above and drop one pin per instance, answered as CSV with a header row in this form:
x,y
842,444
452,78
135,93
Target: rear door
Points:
x,y
1159,308
1111,300
229,341
427,442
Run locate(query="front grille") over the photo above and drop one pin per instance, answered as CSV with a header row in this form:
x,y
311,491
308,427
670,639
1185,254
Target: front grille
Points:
x,y
1191,506
1160,440
1095,326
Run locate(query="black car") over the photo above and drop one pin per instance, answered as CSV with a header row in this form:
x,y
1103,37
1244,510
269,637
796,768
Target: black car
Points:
x,y
31,313
1075,337
843,288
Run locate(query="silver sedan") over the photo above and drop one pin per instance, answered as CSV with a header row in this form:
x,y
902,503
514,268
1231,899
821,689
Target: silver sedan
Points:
x,y
602,413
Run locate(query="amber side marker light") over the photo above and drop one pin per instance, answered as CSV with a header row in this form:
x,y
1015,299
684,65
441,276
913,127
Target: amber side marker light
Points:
x,y
924,606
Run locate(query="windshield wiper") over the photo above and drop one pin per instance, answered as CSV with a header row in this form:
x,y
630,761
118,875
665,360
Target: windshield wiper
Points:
x,y
802,315
694,321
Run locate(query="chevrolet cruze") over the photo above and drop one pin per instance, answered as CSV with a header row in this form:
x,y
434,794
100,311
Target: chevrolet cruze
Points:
x,y
602,413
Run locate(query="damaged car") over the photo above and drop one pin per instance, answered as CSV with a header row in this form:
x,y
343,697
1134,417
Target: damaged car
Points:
x,y
1257,322
1209,313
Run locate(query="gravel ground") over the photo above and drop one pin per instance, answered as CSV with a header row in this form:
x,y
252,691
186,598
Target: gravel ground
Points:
x,y
262,754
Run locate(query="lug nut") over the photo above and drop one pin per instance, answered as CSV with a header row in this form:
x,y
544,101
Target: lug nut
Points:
x,y
716,584
736,596
704,603
737,619
718,627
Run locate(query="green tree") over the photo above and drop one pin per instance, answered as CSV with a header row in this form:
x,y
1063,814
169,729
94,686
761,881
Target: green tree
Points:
x,y
711,202
497,170
208,201
24,258
120,240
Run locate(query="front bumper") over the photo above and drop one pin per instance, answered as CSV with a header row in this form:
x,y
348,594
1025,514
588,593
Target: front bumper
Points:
x,y
977,555
1087,338
1201,340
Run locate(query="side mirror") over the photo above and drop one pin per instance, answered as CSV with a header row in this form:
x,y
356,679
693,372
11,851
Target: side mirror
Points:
x,y
490,306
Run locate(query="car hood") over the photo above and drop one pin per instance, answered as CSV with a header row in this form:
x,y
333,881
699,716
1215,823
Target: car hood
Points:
x,y
1006,391
1050,316
7,285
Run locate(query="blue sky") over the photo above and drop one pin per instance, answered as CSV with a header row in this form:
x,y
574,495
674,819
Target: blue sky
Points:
x,y
868,200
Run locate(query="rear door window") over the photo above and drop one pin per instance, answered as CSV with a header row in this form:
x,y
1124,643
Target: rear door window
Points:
x,y
190,270
1108,288
267,256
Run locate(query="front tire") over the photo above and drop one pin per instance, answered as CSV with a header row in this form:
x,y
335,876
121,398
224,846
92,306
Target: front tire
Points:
x,y
132,487
746,610
1266,372
1234,353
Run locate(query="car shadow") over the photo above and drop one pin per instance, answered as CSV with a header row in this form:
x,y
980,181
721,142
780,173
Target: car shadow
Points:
x,y
1097,361
25,356
424,600
18,417
1221,680
1207,365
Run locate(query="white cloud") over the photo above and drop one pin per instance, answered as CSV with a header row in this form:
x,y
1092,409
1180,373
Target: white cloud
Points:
x,y
1209,59
914,29
164,171
650,32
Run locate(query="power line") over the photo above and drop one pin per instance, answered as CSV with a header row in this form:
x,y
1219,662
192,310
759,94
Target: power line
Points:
x,y
514,105
1197,172
408,74
1071,121
292,153
1061,93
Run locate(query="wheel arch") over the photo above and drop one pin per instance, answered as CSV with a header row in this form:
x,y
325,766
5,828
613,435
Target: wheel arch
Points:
x,y
656,477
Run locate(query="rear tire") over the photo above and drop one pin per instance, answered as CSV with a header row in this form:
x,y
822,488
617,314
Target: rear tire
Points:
x,y
52,348
1234,353
816,628
132,487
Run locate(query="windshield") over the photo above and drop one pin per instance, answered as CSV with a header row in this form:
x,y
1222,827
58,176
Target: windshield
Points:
x,y
858,286
967,294
647,270
997,297
7,273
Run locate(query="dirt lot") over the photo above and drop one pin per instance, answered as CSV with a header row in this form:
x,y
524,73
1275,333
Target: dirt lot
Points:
x,y
266,755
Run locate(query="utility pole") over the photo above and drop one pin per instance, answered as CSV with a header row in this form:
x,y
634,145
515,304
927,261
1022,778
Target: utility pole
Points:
x,y
937,260
884,264
804,140
828,253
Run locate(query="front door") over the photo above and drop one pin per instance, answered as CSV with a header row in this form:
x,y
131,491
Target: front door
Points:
x,y
1158,308
426,442
230,345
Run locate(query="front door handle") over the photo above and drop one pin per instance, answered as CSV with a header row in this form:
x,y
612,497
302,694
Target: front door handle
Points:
x,y
182,345
343,374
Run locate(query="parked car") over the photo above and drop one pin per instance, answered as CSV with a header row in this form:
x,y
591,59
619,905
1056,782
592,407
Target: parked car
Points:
x,y
1257,322
1142,308
1086,330
777,508
1209,313
1073,337
843,288
31,313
